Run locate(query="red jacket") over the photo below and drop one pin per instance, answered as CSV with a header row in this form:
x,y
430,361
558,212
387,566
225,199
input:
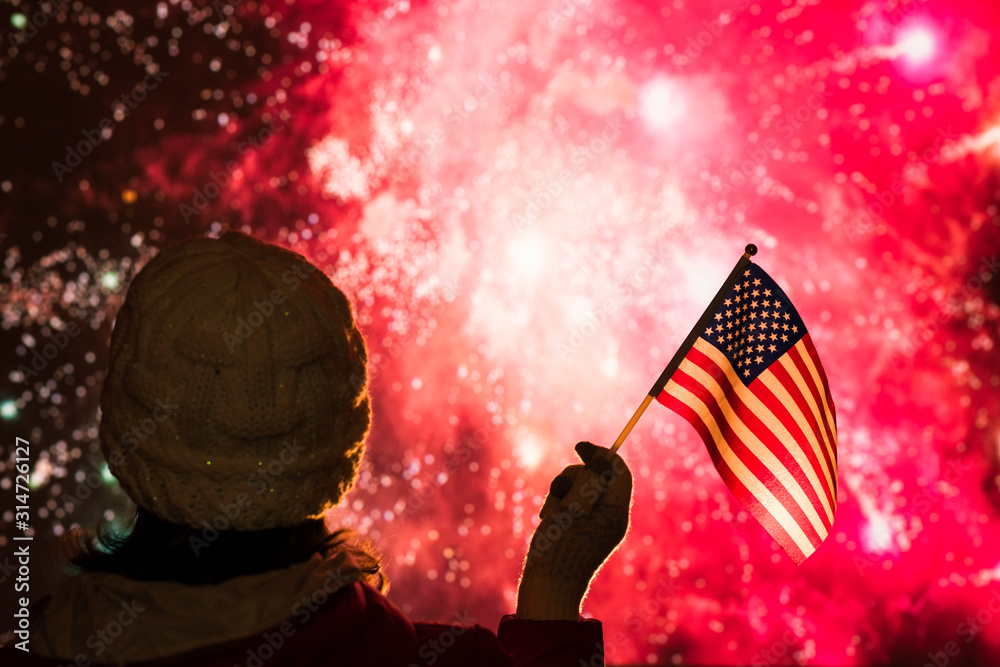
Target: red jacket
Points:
x,y
358,626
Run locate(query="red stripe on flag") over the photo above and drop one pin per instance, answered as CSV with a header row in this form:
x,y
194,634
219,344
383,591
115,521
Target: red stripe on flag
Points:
x,y
792,388
753,423
692,418
756,509
759,512
757,426
814,355
781,411
800,364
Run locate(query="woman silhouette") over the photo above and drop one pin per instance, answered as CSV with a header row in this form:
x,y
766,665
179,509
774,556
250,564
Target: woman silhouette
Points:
x,y
234,413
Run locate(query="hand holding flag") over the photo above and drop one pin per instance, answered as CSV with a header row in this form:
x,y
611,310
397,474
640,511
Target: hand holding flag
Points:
x,y
748,378
576,534
753,386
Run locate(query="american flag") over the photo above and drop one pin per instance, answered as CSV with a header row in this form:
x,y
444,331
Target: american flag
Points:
x,y
753,386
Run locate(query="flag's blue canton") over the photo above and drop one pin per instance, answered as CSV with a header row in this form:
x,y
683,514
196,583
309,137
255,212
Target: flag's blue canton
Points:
x,y
755,325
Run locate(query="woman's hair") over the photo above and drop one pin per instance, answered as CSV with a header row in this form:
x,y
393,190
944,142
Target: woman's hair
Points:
x,y
148,548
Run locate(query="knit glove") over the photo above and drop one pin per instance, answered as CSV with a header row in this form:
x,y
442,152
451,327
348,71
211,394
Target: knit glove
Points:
x,y
583,519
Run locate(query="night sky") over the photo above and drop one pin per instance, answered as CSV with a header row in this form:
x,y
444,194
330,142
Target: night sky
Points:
x,y
529,205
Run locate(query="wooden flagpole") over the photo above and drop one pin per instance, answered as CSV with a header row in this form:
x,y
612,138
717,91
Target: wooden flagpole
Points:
x,y
581,497
682,351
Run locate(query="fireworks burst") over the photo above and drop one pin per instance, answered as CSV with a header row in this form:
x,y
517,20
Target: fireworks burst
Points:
x,y
529,205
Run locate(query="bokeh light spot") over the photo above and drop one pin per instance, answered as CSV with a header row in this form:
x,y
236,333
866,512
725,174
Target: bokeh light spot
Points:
x,y
8,409
917,44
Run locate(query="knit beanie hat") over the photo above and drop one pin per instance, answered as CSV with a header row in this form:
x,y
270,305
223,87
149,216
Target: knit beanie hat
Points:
x,y
237,389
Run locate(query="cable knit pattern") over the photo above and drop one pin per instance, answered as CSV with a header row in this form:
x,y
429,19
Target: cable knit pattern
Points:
x,y
275,408
583,520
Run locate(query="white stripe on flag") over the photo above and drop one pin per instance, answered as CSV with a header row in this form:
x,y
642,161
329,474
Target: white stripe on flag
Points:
x,y
757,488
748,437
779,430
831,423
772,383
800,382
